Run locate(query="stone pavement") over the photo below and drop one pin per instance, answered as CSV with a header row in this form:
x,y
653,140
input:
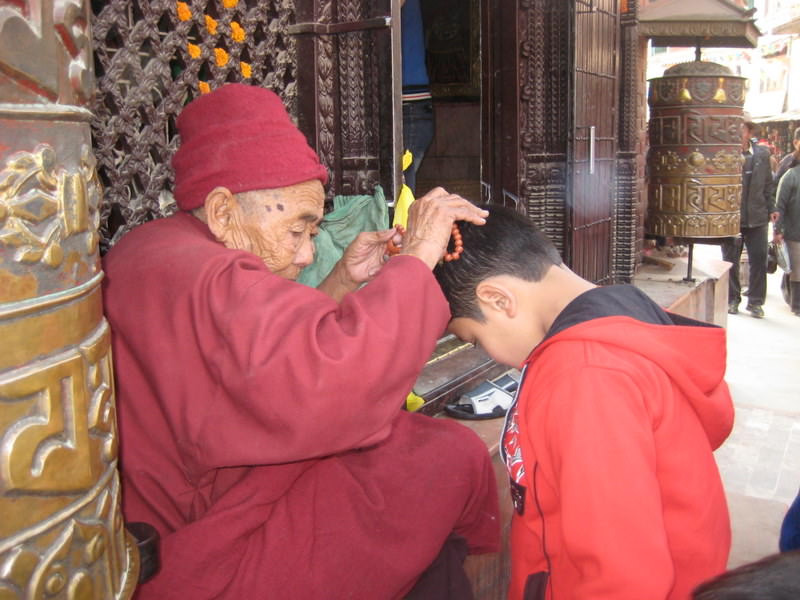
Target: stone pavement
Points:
x,y
760,461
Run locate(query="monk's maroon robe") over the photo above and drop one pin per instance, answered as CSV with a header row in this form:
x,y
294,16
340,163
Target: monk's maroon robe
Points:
x,y
261,430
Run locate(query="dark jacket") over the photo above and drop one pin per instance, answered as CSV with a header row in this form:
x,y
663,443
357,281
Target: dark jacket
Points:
x,y
787,162
758,188
789,205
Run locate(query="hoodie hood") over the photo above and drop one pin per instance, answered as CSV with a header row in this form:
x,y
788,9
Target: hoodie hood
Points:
x,y
692,354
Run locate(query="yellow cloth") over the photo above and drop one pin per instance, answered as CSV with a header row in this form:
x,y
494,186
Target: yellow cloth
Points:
x,y
414,402
405,198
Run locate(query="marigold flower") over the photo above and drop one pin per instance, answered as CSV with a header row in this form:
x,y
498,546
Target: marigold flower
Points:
x,y
204,87
246,70
229,3
237,33
221,57
194,50
184,12
211,25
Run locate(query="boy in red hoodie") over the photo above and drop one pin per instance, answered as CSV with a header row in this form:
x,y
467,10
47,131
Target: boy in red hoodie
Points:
x,y
609,443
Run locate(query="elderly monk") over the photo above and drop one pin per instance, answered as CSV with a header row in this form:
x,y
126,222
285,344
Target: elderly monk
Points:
x,y
260,420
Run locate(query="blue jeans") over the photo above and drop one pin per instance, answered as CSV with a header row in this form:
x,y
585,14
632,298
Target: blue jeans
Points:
x,y
418,127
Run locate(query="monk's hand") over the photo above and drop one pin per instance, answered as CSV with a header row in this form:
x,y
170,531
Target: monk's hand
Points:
x,y
366,254
430,223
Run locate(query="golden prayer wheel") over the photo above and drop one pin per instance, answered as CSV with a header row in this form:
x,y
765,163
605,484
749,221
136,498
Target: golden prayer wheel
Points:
x,y
695,158
61,529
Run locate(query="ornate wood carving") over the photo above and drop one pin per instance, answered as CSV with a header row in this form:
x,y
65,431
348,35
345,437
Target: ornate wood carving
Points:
x,y
345,90
625,236
153,56
543,114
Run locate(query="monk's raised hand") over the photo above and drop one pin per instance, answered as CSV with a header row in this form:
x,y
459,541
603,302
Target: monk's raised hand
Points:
x,y
430,222
365,255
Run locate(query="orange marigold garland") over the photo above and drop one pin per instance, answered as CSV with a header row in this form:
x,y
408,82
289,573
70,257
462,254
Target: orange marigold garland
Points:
x,y
237,32
221,57
184,12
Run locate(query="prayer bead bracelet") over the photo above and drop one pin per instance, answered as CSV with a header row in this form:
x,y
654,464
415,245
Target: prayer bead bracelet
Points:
x,y
458,244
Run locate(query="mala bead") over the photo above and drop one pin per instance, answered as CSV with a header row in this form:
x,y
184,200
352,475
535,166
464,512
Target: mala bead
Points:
x,y
391,249
458,245
455,234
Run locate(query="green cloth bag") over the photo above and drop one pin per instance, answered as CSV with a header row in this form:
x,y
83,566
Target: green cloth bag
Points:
x,y
350,216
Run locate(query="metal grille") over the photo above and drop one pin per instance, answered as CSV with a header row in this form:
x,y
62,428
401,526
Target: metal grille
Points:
x,y
151,58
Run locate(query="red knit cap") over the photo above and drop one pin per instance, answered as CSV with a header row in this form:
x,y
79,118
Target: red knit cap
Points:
x,y
239,137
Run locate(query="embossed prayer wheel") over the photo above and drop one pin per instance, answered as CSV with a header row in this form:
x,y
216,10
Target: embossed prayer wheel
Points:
x,y
61,529
695,159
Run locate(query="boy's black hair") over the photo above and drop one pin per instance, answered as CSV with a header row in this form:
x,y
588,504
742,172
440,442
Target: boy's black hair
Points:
x,y
508,244
776,577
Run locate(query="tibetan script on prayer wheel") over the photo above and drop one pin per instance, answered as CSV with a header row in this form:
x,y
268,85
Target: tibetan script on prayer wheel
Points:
x,y
695,159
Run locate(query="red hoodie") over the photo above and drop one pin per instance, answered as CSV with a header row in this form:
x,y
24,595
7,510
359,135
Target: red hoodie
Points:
x,y
616,423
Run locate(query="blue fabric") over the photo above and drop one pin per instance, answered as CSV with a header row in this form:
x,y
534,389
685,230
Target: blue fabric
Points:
x,y
418,130
413,41
790,530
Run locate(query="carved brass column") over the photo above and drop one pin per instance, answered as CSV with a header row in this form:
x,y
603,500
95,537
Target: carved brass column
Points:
x,y
695,158
61,530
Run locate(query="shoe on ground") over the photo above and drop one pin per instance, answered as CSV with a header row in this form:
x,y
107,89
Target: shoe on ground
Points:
x,y
756,311
733,308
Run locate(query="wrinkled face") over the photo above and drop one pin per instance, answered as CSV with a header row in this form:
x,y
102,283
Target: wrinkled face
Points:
x,y
279,226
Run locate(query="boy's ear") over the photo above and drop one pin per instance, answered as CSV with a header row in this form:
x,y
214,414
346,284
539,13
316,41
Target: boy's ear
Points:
x,y
496,296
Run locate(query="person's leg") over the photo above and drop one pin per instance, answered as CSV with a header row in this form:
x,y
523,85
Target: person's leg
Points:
x,y
794,276
732,252
418,130
755,239
369,523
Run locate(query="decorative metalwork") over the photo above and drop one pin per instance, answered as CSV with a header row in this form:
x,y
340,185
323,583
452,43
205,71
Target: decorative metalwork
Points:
x,y
37,37
695,160
41,208
154,56
61,530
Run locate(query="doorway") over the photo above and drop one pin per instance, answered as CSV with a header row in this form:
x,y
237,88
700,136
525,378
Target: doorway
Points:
x,y
453,160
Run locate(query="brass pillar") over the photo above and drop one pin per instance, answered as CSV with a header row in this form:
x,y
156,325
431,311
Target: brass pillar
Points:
x,y
61,529
695,159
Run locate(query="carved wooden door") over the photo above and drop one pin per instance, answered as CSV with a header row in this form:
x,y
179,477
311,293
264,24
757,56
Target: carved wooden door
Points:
x,y
348,79
61,529
593,152
558,125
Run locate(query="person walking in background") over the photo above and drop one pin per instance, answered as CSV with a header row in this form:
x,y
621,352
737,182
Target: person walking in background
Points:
x,y
757,209
787,226
418,123
790,160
